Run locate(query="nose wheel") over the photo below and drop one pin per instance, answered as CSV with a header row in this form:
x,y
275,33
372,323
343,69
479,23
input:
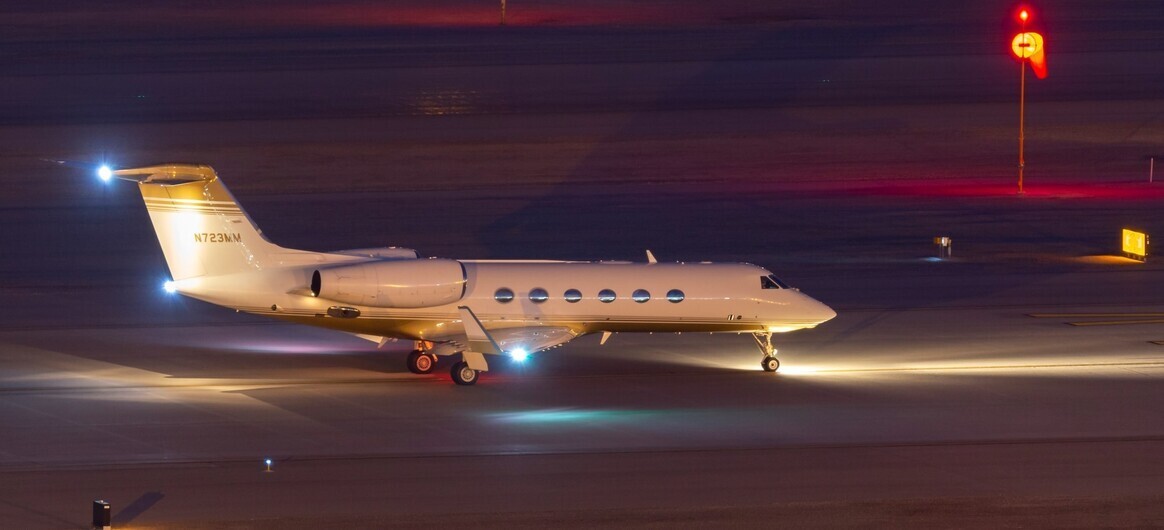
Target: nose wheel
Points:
x,y
764,341
421,362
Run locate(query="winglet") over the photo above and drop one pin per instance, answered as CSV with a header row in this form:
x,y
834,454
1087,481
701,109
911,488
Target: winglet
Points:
x,y
605,337
651,257
479,339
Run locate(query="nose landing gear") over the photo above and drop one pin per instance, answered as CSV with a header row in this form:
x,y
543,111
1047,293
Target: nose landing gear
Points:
x,y
764,341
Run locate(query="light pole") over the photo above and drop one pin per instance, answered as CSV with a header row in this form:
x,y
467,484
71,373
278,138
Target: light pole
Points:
x,y
1028,47
1022,98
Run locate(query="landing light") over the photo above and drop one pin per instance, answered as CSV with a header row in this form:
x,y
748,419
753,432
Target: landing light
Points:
x,y
105,173
518,354
170,287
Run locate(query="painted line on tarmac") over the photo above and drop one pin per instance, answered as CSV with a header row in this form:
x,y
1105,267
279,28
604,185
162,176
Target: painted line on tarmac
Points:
x,y
992,367
1094,315
1126,319
227,385
1116,322
178,462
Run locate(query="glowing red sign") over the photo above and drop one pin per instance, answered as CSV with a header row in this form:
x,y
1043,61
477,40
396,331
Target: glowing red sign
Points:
x,y
1029,45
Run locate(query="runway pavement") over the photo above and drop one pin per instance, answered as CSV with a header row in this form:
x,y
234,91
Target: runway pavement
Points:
x,y
948,407
955,393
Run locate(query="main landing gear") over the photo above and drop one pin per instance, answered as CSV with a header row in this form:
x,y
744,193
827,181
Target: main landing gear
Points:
x,y
465,372
764,341
464,375
421,362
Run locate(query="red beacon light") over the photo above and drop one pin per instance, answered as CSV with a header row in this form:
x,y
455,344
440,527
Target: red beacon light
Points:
x,y
1024,15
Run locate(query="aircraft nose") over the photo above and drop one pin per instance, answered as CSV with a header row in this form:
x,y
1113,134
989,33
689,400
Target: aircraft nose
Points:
x,y
820,312
826,313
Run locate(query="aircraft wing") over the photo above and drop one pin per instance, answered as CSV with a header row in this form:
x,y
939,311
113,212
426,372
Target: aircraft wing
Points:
x,y
531,339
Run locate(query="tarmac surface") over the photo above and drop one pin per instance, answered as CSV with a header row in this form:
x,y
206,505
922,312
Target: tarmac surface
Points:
x,y
1017,384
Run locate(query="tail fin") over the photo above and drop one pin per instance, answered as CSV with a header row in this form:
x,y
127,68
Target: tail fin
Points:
x,y
202,230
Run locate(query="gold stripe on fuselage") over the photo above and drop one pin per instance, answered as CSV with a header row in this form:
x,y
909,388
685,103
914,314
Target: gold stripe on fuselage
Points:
x,y
412,328
549,321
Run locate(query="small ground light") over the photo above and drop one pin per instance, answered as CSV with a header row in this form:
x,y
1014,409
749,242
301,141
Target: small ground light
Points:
x,y
945,246
105,173
267,462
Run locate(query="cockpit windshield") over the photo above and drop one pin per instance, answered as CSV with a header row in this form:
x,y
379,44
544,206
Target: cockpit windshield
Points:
x,y
772,282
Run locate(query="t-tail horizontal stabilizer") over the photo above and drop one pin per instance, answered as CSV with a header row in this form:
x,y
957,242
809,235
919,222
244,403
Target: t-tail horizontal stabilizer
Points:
x,y
166,174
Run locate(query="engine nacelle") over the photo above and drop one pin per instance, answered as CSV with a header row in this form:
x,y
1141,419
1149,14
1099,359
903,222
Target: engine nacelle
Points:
x,y
409,283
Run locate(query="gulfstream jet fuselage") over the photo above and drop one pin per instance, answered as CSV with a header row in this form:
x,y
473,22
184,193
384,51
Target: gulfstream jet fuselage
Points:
x,y
470,308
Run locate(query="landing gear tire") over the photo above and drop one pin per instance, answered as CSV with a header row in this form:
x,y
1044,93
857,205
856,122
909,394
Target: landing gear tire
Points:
x,y
420,362
463,375
770,364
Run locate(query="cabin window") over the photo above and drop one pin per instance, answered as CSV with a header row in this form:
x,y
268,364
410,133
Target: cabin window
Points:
x,y
641,295
772,282
606,296
572,295
503,295
538,295
675,296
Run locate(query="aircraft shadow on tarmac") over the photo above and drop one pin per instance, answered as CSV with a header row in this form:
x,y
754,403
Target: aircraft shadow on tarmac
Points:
x,y
139,506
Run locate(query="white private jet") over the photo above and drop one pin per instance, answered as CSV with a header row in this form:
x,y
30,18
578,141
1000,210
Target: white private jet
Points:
x,y
447,307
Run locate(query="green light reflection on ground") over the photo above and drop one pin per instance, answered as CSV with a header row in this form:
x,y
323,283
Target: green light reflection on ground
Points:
x,y
572,415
